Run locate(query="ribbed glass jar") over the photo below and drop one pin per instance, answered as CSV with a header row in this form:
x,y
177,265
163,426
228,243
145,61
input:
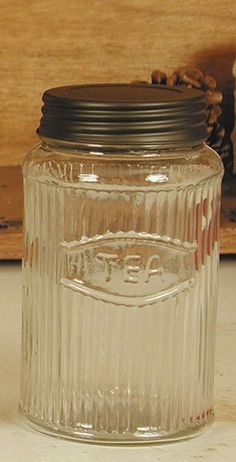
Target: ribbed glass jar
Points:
x,y
120,290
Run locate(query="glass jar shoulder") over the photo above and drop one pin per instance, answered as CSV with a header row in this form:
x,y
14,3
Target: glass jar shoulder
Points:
x,y
149,169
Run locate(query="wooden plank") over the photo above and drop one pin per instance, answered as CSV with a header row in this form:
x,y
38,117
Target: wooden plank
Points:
x,y
11,244
228,217
49,43
11,206
11,196
11,211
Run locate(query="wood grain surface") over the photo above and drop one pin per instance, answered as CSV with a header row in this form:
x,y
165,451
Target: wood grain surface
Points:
x,y
45,43
11,212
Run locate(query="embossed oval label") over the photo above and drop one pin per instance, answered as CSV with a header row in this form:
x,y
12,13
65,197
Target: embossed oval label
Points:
x,y
128,268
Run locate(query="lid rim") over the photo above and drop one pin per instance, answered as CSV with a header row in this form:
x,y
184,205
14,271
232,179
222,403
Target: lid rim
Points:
x,y
131,111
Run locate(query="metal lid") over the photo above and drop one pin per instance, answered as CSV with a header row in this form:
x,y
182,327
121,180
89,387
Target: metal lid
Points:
x,y
134,115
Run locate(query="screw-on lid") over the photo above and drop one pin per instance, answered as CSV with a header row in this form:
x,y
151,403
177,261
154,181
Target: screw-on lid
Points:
x,y
134,115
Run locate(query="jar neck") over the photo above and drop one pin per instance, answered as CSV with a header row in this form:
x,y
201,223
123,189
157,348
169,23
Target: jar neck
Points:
x,y
144,151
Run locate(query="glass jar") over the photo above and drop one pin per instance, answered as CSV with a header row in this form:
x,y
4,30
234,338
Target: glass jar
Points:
x,y
120,265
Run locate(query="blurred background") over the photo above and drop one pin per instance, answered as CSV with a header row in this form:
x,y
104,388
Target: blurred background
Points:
x,y
45,43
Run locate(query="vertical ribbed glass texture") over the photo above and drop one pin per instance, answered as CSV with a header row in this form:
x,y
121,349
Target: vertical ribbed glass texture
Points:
x,y
120,291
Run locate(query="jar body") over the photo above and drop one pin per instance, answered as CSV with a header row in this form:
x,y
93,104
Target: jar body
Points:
x,y
120,288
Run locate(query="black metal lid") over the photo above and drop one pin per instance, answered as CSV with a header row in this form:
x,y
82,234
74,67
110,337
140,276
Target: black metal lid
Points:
x,y
135,115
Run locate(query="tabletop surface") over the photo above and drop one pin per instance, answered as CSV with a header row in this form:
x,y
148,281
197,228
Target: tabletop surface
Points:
x,y
18,443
